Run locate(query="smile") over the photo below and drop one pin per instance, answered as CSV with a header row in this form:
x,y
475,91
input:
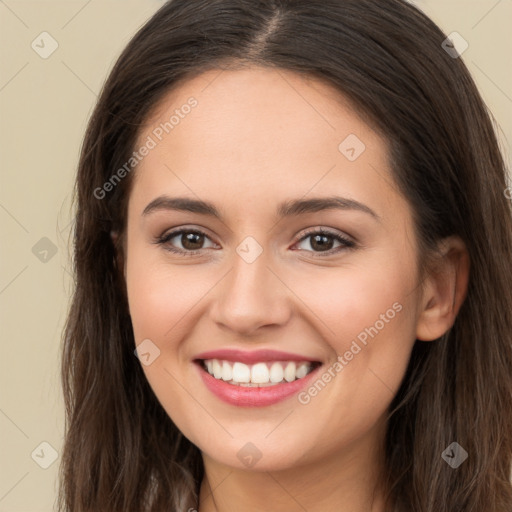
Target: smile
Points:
x,y
260,374
257,378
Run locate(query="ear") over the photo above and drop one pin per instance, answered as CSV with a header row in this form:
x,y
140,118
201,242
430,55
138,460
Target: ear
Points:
x,y
117,240
444,290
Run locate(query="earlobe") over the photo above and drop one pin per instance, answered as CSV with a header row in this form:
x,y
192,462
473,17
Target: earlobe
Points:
x,y
444,290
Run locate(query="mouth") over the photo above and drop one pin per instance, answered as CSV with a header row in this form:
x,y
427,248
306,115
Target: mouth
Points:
x,y
257,378
257,375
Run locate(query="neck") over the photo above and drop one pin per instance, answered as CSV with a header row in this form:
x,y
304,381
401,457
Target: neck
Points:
x,y
345,480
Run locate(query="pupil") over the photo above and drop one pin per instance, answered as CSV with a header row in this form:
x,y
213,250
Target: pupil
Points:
x,y
191,239
322,242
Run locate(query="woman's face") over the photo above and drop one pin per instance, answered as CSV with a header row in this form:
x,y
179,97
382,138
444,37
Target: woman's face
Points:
x,y
250,165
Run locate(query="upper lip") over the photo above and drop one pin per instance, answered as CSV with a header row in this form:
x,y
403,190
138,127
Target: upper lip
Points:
x,y
254,356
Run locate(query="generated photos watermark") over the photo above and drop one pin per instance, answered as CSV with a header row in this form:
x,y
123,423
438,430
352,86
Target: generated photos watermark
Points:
x,y
305,396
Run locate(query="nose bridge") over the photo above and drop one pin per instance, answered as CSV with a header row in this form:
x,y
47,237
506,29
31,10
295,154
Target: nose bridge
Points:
x,y
250,296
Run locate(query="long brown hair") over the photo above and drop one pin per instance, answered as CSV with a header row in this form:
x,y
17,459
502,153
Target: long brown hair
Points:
x,y
122,452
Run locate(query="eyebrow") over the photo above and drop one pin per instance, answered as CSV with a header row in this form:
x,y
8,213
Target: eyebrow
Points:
x,y
285,209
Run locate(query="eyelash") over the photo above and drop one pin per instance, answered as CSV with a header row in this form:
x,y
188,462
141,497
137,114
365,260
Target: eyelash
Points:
x,y
346,243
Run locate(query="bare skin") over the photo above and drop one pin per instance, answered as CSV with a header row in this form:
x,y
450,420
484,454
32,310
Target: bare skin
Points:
x,y
257,138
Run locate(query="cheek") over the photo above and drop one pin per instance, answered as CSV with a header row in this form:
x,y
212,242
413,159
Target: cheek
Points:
x,y
349,300
367,316
160,295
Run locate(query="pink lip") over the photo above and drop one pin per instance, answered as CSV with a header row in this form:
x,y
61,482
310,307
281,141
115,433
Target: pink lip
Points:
x,y
254,397
254,356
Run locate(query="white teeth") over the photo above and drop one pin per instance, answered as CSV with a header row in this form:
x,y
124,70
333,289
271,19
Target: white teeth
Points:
x,y
241,372
217,369
227,371
259,374
302,370
276,372
289,372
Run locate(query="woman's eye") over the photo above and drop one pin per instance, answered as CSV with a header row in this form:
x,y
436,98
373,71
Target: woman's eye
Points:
x,y
192,241
185,241
322,241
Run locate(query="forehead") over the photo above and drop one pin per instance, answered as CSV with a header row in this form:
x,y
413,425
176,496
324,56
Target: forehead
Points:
x,y
260,134
264,102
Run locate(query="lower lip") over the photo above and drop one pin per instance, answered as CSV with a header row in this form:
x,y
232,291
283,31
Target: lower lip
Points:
x,y
244,396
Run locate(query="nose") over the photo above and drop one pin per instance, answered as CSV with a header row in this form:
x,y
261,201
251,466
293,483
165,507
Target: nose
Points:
x,y
251,296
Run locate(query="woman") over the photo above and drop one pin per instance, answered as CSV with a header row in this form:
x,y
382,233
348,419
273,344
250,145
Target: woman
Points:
x,y
293,276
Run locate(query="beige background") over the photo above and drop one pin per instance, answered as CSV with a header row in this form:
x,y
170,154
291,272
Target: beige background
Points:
x,y
45,104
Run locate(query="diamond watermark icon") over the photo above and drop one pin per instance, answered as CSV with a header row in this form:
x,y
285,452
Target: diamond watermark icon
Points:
x,y
44,455
455,45
147,352
454,455
352,147
44,250
249,249
44,45
249,455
